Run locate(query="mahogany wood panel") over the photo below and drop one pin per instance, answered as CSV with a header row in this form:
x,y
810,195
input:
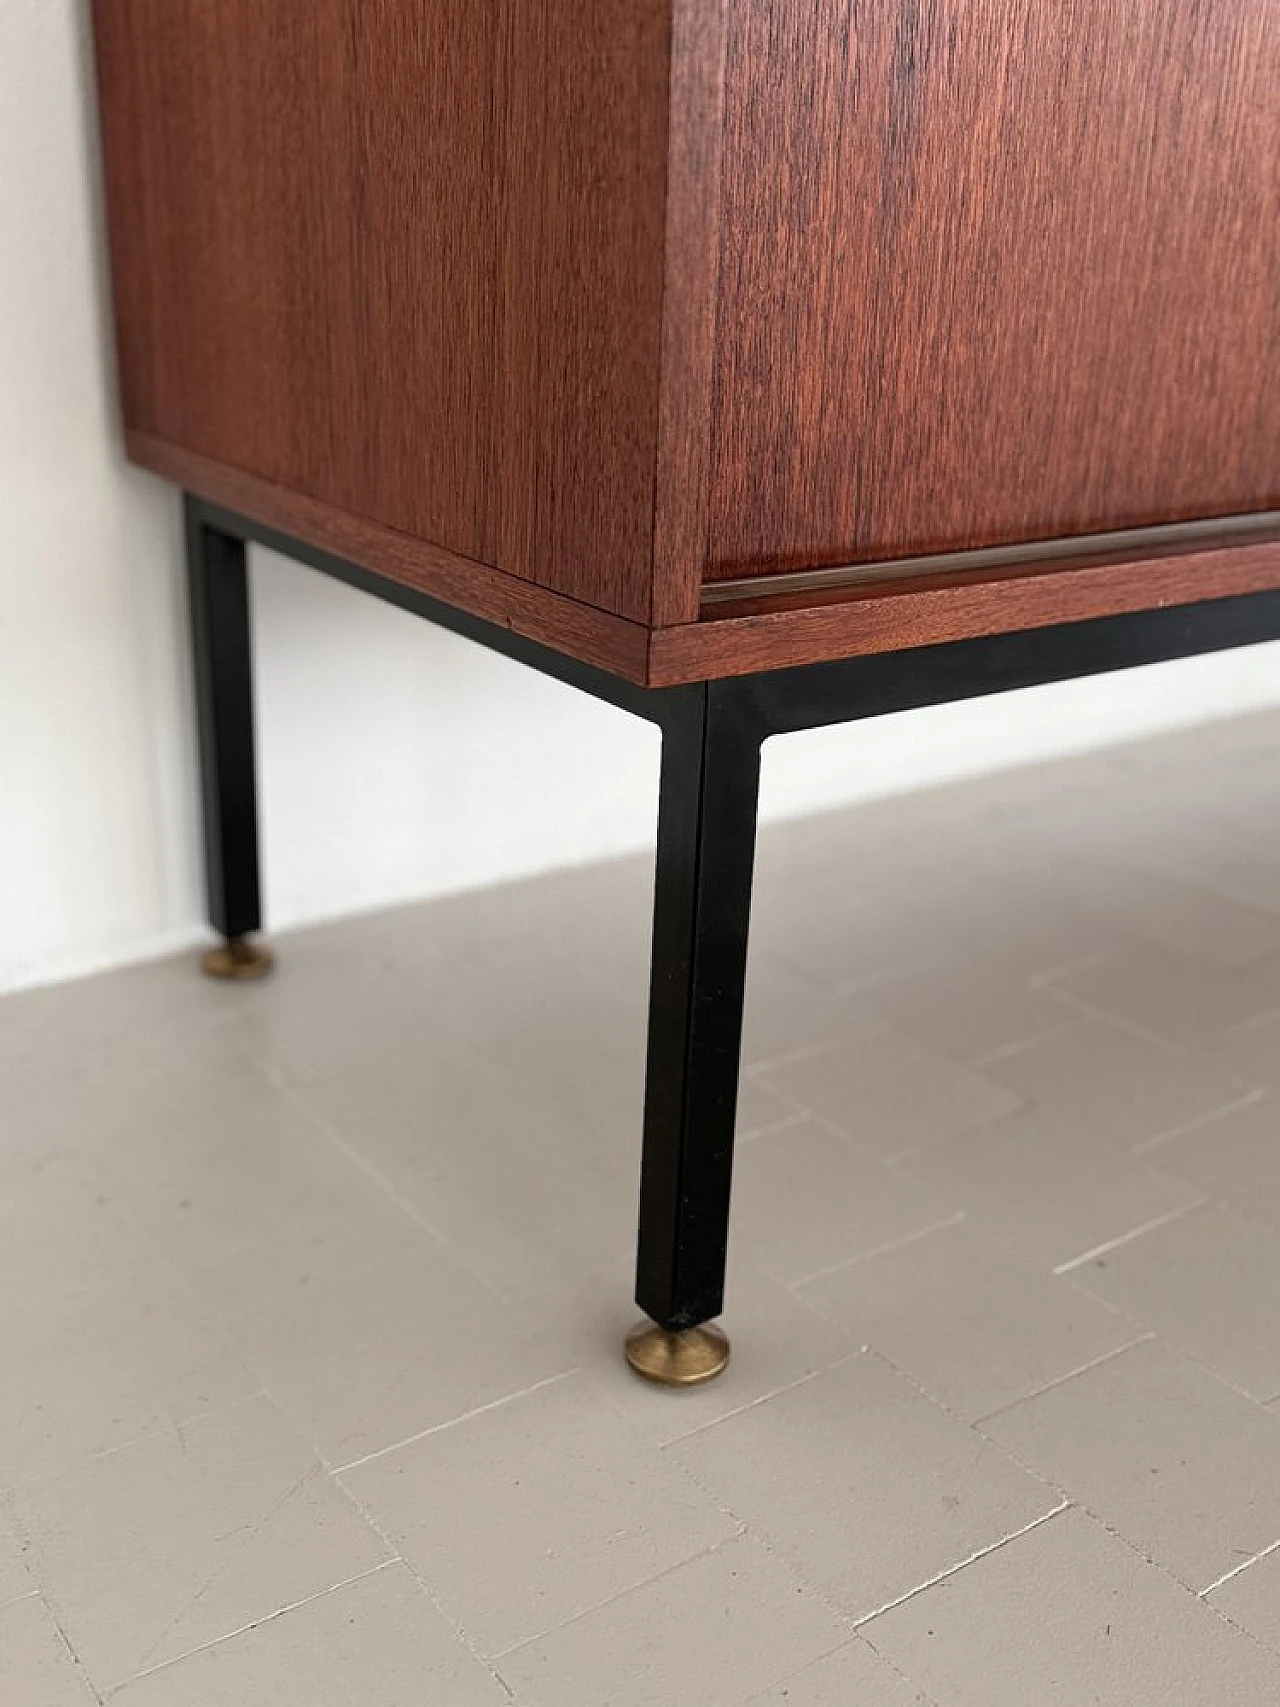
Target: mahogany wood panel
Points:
x,y
583,631
761,634
993,270
892,617
683,487
403,259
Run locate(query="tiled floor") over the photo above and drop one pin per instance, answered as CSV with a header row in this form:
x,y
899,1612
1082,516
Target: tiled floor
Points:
x,y
312,1294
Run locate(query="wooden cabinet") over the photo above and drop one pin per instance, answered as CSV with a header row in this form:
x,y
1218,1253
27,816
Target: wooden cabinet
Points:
x,y
753,364
699,336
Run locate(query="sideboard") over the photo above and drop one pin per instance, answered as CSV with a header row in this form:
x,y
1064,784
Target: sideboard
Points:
x,y
753,364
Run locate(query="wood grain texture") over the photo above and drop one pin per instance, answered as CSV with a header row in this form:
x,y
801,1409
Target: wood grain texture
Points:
x,y
583,631
546,308
683,486
763,634
892,618
405,260
993,270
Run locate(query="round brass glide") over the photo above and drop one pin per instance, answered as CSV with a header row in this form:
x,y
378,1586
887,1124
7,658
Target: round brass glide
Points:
x,y
677,1359
240,959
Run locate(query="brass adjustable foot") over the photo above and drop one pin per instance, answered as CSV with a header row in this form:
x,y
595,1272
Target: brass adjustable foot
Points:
x,y
240,958
677,1359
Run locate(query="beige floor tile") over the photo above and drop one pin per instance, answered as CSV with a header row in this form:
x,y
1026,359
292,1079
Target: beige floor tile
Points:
x,y
1250,1051
382,1356
1206,1282
974,1326
593,1050
1162,1452
709,1632
378,1642
599,915
37,1668
1234,1157
805,1200
1251,1599
1235,854
92,1369
782,1340
307,1027
62,1231
1121,1088
82,1098
252,1201
969,1009
854,1676
483,1055
885,1491
1068,1614
1173,911
1193,918
787,1013
894,1100
539,1229
841,934
187,1536
423,1112
535,1511
15,1579
870,1049
1182,999
1019,927
761,1110
537,1208
70,1033
1045,1189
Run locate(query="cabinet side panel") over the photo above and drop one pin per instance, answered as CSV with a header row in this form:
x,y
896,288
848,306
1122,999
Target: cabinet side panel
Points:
x,y
993,271
402,259
583,89
699,31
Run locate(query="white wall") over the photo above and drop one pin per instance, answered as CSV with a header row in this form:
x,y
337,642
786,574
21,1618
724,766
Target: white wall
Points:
x,y
398,761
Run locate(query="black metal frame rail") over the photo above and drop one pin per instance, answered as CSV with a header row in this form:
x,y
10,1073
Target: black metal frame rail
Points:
x,y
712,735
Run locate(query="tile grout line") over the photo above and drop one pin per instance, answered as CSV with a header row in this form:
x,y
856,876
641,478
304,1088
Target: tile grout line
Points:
x,y
758,1134
1123,1239
1022,1105
1093,1013
1002,1052
256,1623
1059,1381
76,1661
796,1564
297,1095
161,1430
1247,1099
918,1696
428,1594
743,1529
1049,977
760,1399
1149,1559
956,1416
1237,1569
951,1570
440,1428
906,1240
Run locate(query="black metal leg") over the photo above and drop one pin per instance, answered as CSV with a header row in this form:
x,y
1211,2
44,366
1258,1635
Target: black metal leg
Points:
x,y
219,606
706,854
712,735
